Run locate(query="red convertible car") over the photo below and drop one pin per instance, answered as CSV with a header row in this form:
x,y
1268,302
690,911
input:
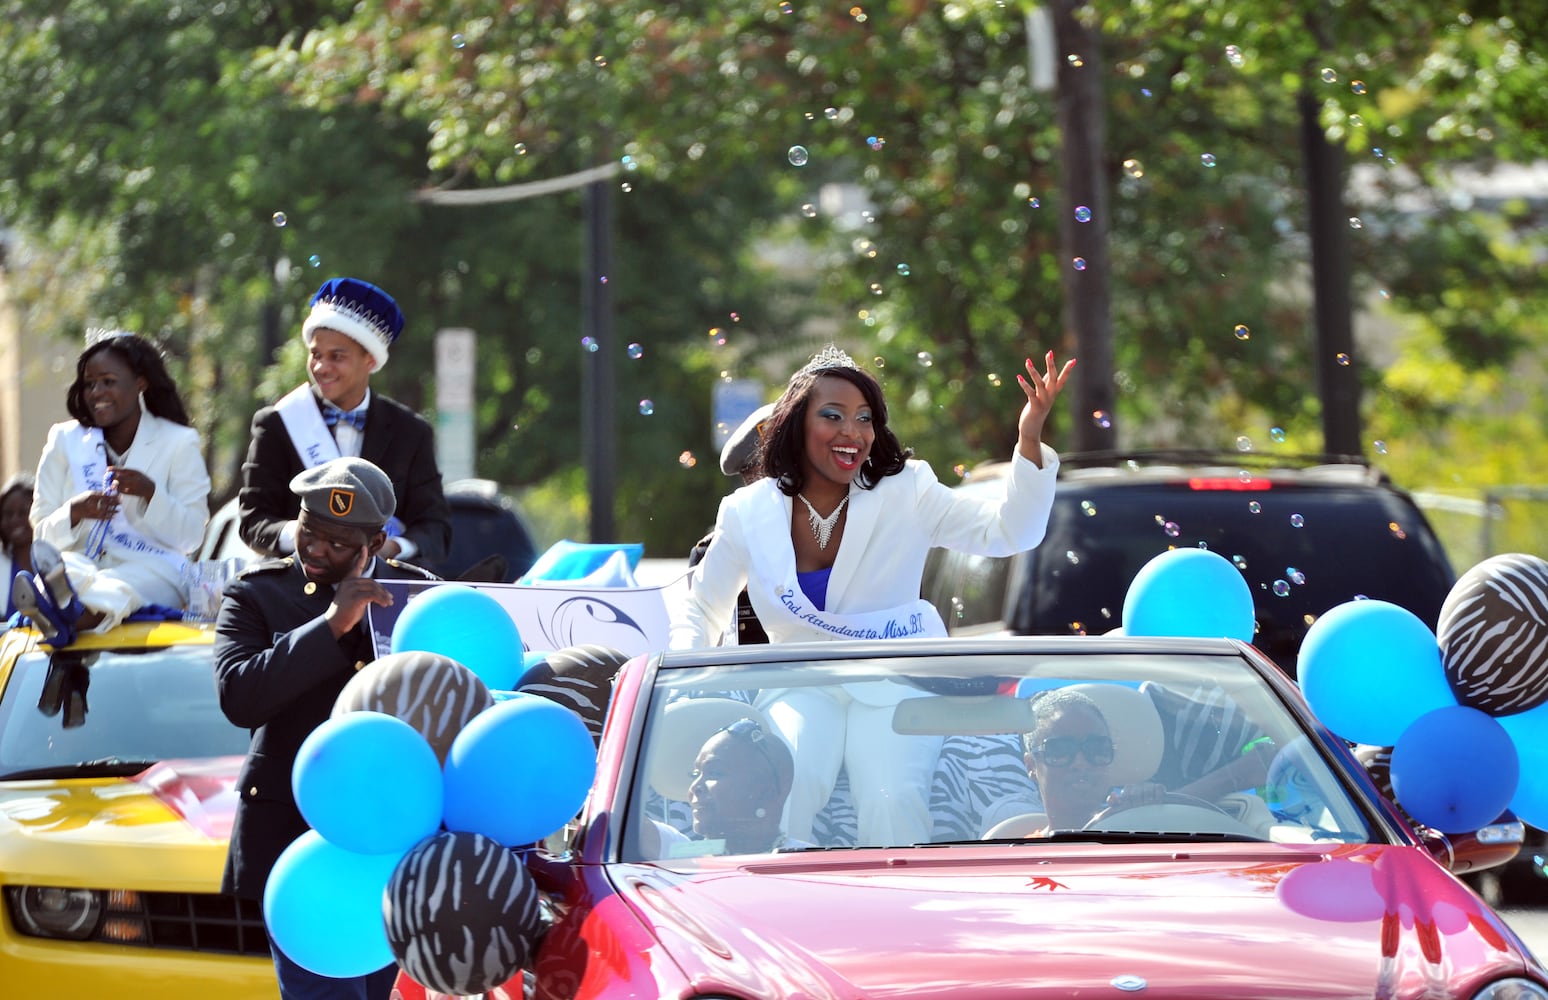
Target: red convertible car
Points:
x,y
1097,817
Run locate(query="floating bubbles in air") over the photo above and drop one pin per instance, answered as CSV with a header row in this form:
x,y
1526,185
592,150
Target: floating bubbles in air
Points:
x,y
1134,168
1358,86
647,407
926,359
314,260
1355,222
636,351
830,113
1297,521
1342,359
798,156
904,270
458,41
1088,508
1102,419
687,460
1243,443
994,379
1277,435
1281,588
1242,331
876,288
1233,55
876,142
279,220
1079,263
1295,576
520,149
1208,159
1034,203
1380,446
1329,75
809,210
1082,213
590,344
1254,507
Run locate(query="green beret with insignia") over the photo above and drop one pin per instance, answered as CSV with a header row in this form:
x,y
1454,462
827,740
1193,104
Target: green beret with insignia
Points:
x,y
347,491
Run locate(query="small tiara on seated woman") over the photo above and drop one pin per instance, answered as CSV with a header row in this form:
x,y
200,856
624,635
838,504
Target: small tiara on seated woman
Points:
x,y
831,356
96,335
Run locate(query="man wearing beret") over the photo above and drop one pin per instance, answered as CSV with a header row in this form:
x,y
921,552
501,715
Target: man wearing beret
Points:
x,y
347,332
290,635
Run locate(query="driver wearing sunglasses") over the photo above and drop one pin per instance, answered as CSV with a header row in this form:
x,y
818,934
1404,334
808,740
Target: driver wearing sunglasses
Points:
x,y
1068,753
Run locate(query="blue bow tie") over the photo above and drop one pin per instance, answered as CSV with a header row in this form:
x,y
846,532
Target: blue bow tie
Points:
x,y
355,418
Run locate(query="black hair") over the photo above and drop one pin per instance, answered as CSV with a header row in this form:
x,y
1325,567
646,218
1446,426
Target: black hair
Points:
x,y
145,361
1045,706
22,482
785,435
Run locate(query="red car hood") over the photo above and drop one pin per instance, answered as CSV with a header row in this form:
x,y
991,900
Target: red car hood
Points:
x,y
1236,920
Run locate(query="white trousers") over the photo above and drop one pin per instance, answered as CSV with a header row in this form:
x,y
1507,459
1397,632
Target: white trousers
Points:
x,y
119,589
889,775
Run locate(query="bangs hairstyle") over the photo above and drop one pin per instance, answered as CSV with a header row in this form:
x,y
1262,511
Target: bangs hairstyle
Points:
x,y
145,361
785,435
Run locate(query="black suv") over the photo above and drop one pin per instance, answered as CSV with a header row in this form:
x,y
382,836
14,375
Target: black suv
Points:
x,y
1308,533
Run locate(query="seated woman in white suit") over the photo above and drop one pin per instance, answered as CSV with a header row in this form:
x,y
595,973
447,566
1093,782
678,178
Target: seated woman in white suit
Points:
x,y
830,544
122,494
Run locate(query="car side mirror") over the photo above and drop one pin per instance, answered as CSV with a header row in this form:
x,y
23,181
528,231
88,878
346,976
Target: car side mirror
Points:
x,y
1487,847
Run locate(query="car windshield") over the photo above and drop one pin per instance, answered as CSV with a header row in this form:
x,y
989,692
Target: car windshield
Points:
x,y
1113,747
101,712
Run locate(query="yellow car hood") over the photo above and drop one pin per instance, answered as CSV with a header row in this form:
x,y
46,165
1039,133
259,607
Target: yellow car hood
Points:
x,y
164,829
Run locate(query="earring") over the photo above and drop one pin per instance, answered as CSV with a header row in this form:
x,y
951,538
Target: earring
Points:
x,y
760,812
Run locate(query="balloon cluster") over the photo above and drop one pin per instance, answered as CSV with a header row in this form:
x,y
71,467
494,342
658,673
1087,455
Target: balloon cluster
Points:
x,y
417,789
1464,708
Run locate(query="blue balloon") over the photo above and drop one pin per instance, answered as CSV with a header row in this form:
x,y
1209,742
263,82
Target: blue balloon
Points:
x,y
369,782
1189,592
1369,669
323,905
468,626
519,771
567,560
1529,734
1454,769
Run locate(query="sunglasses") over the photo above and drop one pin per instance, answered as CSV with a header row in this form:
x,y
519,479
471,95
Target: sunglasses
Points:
x,y
1060,751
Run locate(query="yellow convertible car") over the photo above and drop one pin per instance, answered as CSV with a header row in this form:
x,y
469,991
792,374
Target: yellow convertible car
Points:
x,y
117,771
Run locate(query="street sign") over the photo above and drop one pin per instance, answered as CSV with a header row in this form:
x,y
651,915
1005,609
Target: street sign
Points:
x,y
455,364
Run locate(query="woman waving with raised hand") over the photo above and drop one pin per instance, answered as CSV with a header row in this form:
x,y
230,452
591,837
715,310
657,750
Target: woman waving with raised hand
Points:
x,y
831,544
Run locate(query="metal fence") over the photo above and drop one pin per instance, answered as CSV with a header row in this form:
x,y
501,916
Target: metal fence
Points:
x,y
1474,525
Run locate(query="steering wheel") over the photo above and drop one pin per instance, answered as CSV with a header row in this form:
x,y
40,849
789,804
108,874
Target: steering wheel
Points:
x,y
1177,812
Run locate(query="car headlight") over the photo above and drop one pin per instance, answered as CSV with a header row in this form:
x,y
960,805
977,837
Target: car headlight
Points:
x,y
53,912
1513,989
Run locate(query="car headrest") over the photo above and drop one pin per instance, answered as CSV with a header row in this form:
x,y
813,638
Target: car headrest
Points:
x,y
1135,726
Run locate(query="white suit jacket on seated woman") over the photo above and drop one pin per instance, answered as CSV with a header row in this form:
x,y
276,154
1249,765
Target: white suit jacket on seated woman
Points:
x,y
880,561
149,541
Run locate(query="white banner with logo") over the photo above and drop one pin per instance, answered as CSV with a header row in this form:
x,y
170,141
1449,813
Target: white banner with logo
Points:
x,y
632,620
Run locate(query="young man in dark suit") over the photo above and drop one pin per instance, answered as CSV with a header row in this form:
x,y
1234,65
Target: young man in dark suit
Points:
x,y
350,326
290,635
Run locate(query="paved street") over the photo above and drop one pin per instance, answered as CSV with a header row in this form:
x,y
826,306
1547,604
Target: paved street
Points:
x,y
1532,924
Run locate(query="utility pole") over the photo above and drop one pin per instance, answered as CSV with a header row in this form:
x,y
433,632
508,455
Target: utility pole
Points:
x,y
598,382
1087,288
1338,368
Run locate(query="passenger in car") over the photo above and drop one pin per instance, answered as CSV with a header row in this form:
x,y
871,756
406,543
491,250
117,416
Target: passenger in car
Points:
x,y
740,780
122,494
831,543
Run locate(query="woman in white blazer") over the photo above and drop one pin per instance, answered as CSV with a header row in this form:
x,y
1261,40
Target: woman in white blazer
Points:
x,y
122,492
831,544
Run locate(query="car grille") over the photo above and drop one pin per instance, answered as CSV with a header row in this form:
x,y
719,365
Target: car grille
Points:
x,y
195,921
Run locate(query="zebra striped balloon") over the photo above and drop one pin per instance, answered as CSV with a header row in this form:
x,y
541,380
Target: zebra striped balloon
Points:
x,y
1493,634
433,693
578,677
463,915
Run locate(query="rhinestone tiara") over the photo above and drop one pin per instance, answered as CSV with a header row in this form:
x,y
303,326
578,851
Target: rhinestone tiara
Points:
x,y
831,356
96,335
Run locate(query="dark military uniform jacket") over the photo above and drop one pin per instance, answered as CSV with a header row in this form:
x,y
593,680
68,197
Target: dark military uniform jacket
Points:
x,y
279,670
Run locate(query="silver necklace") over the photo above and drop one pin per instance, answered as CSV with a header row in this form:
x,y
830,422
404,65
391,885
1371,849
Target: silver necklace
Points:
x,y
822,527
